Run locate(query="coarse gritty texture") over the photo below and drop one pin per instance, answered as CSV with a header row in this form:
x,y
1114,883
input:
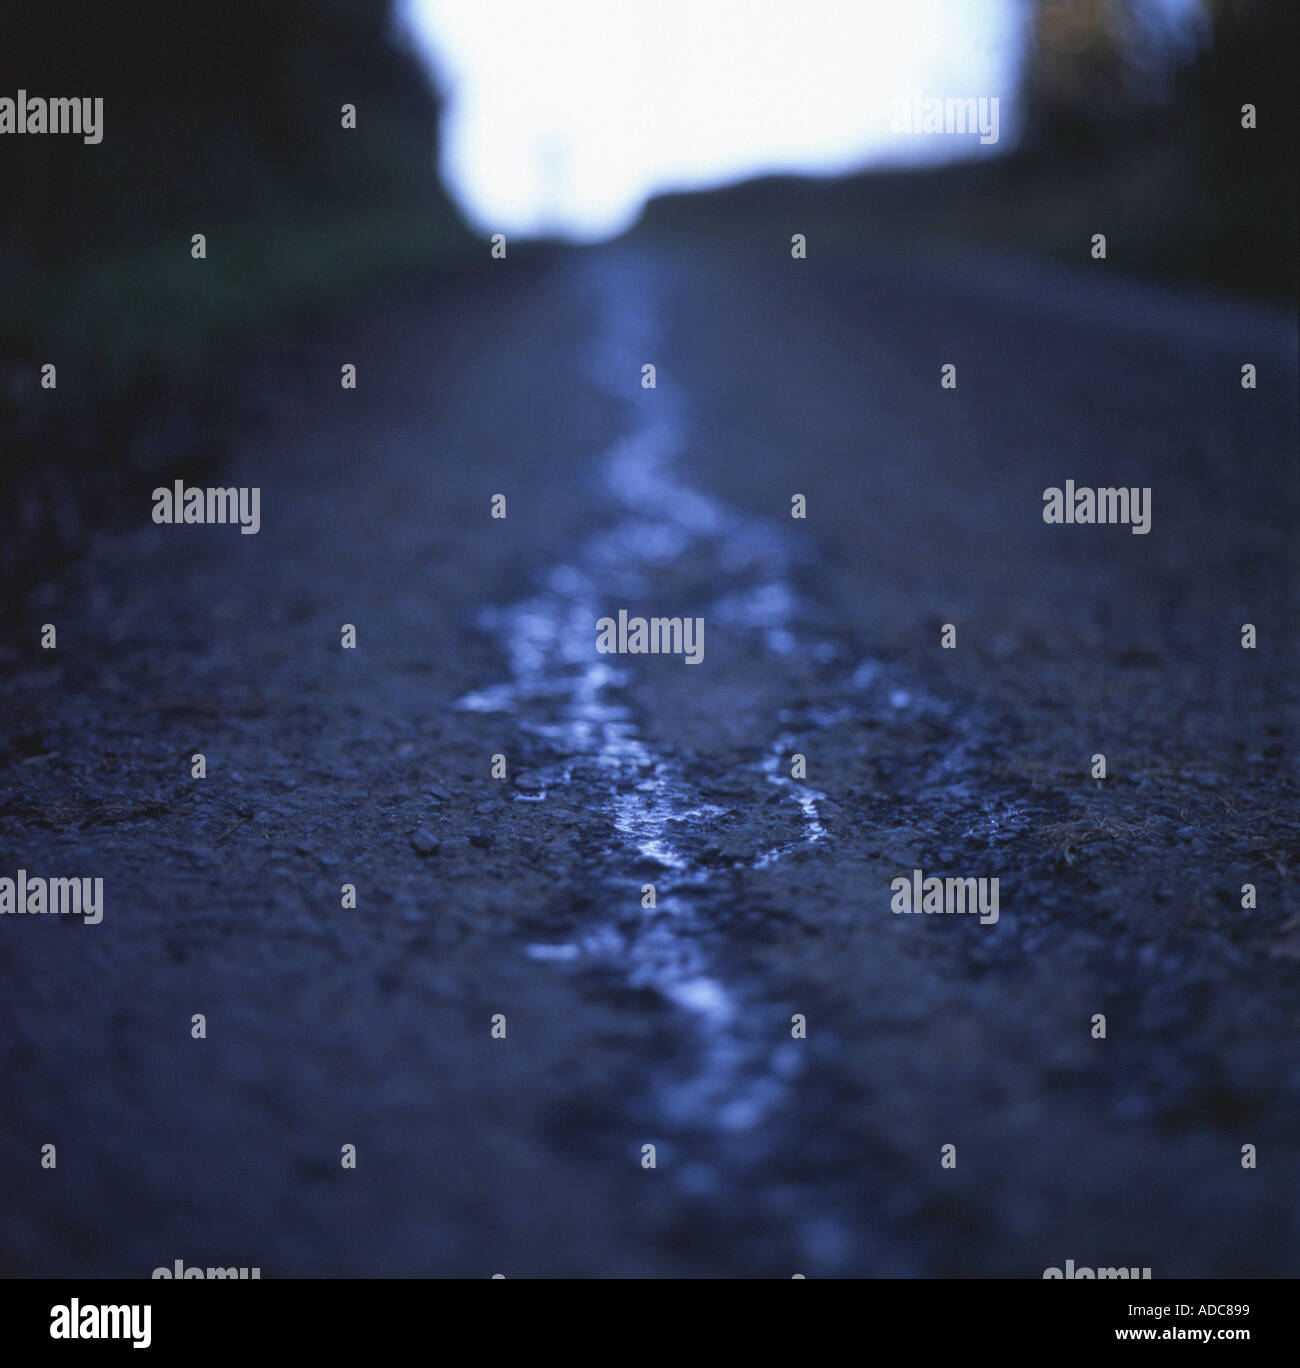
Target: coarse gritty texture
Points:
x,y
672,1026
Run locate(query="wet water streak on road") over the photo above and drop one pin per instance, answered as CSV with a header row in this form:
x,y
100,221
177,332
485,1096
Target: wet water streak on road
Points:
x,y
576,702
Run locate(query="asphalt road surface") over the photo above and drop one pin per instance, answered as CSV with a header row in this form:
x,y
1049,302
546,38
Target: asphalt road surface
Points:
x,y
671,1025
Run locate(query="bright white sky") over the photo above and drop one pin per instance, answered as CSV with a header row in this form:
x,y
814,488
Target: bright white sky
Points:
x,y
564,116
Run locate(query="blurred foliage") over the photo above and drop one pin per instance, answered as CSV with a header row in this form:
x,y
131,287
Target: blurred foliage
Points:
x,y
221,117
1137,106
